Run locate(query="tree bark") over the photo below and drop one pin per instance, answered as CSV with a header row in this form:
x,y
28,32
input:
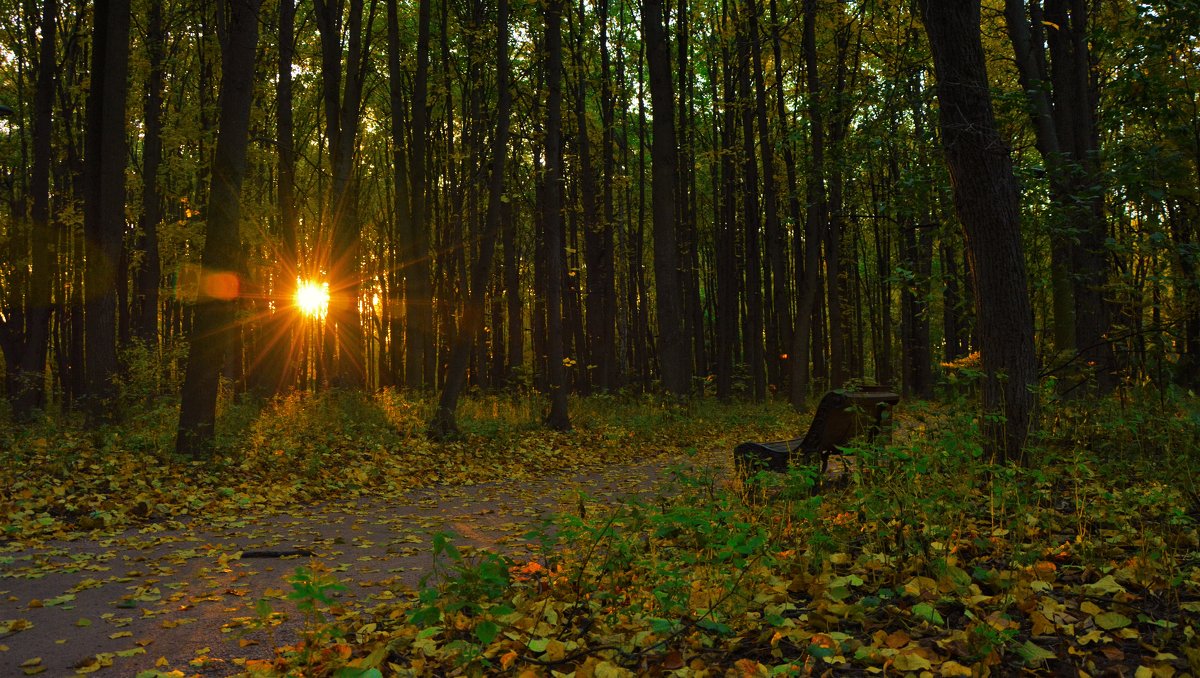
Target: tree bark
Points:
x,y
420,354
214,324
817,216
987,204
145,311
443,424
1064,121
557,418
283,336
341,92
105,156
673,350
29,344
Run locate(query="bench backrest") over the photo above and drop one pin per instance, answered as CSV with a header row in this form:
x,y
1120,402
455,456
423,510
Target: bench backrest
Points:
x,y
842,415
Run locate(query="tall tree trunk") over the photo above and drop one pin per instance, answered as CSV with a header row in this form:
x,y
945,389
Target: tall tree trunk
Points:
x,y
443,424
557,418
341,92
779,338
402,226
28,372
726,236
145,311
987,204
673,350
283,336
603,279
752,215
105,155
1064,121
596,229
816,217
420,354
214,324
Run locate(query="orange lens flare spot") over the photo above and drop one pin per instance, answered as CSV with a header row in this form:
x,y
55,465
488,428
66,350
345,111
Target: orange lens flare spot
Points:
x,y
312,298
223,286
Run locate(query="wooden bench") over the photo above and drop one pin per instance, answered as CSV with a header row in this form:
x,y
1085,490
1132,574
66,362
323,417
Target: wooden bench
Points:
x,y
840,417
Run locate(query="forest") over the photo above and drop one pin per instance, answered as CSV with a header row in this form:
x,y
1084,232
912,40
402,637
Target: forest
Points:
x,y
257,256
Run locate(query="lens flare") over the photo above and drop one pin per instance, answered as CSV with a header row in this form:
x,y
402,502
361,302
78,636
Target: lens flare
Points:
x,y
312,298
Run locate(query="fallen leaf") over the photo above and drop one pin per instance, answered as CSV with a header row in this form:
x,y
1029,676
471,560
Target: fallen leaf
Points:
x,y
1111,620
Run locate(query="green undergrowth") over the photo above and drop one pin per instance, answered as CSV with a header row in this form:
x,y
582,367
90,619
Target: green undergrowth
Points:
x,y
59,478
916,558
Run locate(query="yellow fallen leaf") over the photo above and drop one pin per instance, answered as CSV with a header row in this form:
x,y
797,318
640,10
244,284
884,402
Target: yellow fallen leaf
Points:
x,y
1088,607
31,662
161,662
1111,620
911,662
132,652
1106,585
120,634
952,669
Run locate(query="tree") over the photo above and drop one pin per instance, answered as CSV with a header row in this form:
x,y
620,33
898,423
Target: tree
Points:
x,y
214,324
420,353
145,307
987,204
25,335
674,355
557,418
443,424
341,91
816,216
1062,102
105,154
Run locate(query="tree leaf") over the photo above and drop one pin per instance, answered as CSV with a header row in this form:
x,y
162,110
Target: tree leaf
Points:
x,y
1111,620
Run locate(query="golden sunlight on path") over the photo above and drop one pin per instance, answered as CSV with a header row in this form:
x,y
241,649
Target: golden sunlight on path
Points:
x,y
178,597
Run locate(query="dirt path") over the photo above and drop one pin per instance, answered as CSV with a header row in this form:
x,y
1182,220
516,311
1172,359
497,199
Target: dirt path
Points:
x,y
182,599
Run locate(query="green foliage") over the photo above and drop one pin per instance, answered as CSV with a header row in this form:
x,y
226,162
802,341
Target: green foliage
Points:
x,y
941,560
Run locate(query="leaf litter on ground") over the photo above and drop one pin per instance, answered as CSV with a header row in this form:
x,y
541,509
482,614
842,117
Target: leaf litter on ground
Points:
x,y
920,558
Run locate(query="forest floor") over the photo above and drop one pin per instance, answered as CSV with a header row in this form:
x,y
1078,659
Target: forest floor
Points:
x,y
621,548
183,594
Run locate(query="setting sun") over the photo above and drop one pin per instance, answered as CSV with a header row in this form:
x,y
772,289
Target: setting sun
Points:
x,y
312,298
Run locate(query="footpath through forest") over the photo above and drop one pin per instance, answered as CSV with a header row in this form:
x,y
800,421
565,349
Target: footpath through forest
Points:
x,y
171,597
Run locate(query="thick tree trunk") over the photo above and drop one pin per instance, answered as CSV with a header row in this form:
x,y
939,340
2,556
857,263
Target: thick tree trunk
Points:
x,y
105,156
557,418
987,204
673,350
214,325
